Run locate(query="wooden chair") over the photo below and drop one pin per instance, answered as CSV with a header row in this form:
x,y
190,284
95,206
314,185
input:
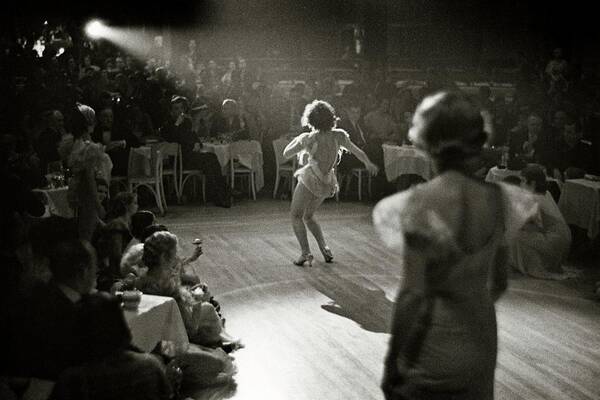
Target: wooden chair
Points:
x,y
358,173
152,182
236,150
171,152
284,168
185,175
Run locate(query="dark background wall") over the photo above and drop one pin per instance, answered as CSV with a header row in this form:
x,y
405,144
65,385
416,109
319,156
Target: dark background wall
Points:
x,y
401,31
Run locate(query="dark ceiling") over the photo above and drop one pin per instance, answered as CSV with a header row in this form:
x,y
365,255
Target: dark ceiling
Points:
x,y
576,17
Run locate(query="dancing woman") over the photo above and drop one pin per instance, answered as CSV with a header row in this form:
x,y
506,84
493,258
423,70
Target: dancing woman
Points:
x,y
316,180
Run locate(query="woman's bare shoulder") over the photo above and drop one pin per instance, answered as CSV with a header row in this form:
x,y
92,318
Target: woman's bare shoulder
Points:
x,y
339,132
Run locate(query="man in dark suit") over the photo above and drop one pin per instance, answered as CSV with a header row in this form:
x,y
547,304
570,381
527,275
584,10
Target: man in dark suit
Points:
x,y
47,144
351,121
572,152
532,145
108,134
45,338
229,122
293,110
179,130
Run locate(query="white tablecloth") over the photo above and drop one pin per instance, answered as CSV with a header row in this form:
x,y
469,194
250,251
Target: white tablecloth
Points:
x,y
156,319
220,150
57,201
252,160
399,160
580,204
496,174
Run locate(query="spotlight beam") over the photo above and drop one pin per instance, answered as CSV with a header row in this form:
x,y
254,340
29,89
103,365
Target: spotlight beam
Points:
x,y
96,29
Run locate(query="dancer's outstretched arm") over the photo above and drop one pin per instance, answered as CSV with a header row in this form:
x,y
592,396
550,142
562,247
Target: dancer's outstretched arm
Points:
x,y
362,156
295,146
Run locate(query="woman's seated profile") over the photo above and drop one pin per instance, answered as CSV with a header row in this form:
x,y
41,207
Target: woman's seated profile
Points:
x,y
544,242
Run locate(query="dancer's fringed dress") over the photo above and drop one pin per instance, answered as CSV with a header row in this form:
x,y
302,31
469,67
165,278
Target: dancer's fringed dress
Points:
x,y
318,175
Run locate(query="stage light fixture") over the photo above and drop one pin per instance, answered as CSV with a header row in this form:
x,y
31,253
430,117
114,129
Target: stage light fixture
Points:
x,y
95,29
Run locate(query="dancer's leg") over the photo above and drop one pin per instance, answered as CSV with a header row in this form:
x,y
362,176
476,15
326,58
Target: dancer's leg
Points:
x,y
311,223
302,197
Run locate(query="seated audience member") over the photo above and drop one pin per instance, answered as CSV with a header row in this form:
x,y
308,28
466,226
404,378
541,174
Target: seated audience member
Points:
x,y
44,235
517,135
179,130
380,128
543,243
380,125
229,122
572,152
201,117
139,222
485,99
114,143
202,321
290,112
351,121
25,163
555,129
536,148
46,339
47,144
114,368
132,265
112,239
257,122
20,203
138,124
102,189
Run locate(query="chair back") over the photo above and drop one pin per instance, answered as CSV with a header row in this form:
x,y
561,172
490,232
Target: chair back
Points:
x,y
243,152
169,149
144,162
172,152
279,145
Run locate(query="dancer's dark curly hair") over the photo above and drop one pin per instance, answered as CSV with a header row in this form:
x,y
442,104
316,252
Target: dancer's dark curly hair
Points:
x,y
319,115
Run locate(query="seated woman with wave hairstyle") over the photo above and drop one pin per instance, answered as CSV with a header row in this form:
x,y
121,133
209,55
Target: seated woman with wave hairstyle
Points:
x,y
202,320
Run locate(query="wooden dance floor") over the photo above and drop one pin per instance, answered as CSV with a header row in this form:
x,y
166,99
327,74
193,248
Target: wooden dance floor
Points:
x,y
321,333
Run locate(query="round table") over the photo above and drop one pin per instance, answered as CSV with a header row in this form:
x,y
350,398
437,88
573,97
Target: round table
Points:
x,y
496,174
252,157
401,160
580,204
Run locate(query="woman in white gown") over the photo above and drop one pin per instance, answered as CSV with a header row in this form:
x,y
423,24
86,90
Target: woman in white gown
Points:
x,y
544,242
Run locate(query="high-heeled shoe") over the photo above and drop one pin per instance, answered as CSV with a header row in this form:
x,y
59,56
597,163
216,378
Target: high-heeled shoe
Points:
x,y
327,254
305,259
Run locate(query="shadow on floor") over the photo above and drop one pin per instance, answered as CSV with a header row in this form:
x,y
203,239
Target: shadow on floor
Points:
x,y
367,306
